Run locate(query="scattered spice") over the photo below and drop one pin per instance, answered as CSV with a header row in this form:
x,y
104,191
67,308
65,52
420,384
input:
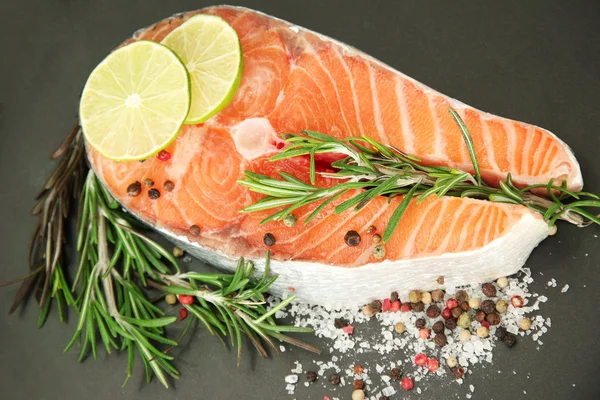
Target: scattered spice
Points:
x,y
451,303
171,299
420,323
394,296
269,239
457,312
485,324
488,306
177,252
148,182
483,332
290,220
464,321
340,323
440,340
334,379
387,304
440,280
311,376
424,333
438,327
169,186
426,298
489,289
525,324
348,330
438,295
461,296
358,395
372,308
183,313
407,383
358,384
458,372
474,302
502,282
451,362
195,230
517,301
134,189
510,339
352,238
376,238
464,336
395,306
406,307
433,364
501,332
433,311
384,398
399,327
479,316
493,319
419,306
450,324
371,230
378,251
186,299
153,194
421,359
415,296
501,306
465,306
358,369
446,313
396,374
163,155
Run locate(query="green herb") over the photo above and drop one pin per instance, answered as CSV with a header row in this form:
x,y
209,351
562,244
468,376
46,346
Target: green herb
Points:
x,y
120,267
378,170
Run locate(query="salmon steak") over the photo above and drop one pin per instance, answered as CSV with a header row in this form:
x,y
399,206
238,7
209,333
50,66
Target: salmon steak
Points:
x,y
293,80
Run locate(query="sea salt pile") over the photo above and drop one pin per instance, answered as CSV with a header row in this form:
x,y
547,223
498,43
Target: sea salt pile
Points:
x,y
398,350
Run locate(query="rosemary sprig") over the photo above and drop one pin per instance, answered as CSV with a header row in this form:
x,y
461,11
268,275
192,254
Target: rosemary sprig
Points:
x,y
379,170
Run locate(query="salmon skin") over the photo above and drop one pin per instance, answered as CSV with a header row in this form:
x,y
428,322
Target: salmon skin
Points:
x,y
295,79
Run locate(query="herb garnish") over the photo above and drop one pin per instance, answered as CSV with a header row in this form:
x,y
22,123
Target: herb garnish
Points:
x,y
379,170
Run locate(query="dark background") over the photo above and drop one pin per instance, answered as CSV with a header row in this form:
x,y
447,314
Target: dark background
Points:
x,y
536,61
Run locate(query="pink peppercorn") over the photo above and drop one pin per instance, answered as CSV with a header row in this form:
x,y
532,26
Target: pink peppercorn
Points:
x,y
395,307
486,324
183,313
407,383
164,155
433,364
420,359
348,329
424,333
405,307
446,313
451,303
386,305
517,301
186,299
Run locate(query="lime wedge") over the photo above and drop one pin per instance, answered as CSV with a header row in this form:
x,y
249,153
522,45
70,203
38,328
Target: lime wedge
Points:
x,y
212,54
135,101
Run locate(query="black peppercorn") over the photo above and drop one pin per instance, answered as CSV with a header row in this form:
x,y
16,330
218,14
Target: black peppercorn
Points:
x,y
456,312
450,324
479,316
195,230
334,379
148,182
510,339
489,289
169,186
358,384
375,306
394,296
488,306
311,376
437,295
501,332
420,323
493,319
419,306
433,311
465,306
461,296
340,323
269,239
352,238
440,340
134,189
438,327
396,374
153,194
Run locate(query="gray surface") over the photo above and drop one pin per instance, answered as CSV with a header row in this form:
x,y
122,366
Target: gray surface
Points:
x,y
538,61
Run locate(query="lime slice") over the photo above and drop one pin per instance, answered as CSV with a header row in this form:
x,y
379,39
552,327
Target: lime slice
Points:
x,y
135,101
211,51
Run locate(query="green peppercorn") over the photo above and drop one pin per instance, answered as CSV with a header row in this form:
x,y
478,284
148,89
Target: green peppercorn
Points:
x,y
464,321
415,296
378,251
290,220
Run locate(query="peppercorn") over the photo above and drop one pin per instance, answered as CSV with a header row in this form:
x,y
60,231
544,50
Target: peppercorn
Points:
x,y
437,295
186,299
378,251
290,220
510,339
418,306
458,372
553,230
177,252
474,302
134,189
352,238
440,280
424,333
525,324
465,306
311,376
426,298
394,296
372,308
407,383
376,305
457,312
493,319
517,301
420,323
384,398
486,324
153,194
501,332
195,230
371,230
464,321
358,384
461,296
433,311
451,304
376,238
483,332
501,306
358,369
335,379
406,307
395,306
446,313
421,359
269,239
464,335
450,324
433,364
488,306
171,299
169,186
479,316
502,282
440,340
415,296
148,182
399,327
438,327
396,374
340,323
489,289
358,395
163,155
451,362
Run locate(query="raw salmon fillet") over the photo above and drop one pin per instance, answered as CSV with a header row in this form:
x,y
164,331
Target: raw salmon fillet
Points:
x,y
295,79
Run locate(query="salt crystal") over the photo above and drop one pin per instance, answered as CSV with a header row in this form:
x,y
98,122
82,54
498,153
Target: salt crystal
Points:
x,y
282,348
388,391
564,289
471,388
291,379
306,384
